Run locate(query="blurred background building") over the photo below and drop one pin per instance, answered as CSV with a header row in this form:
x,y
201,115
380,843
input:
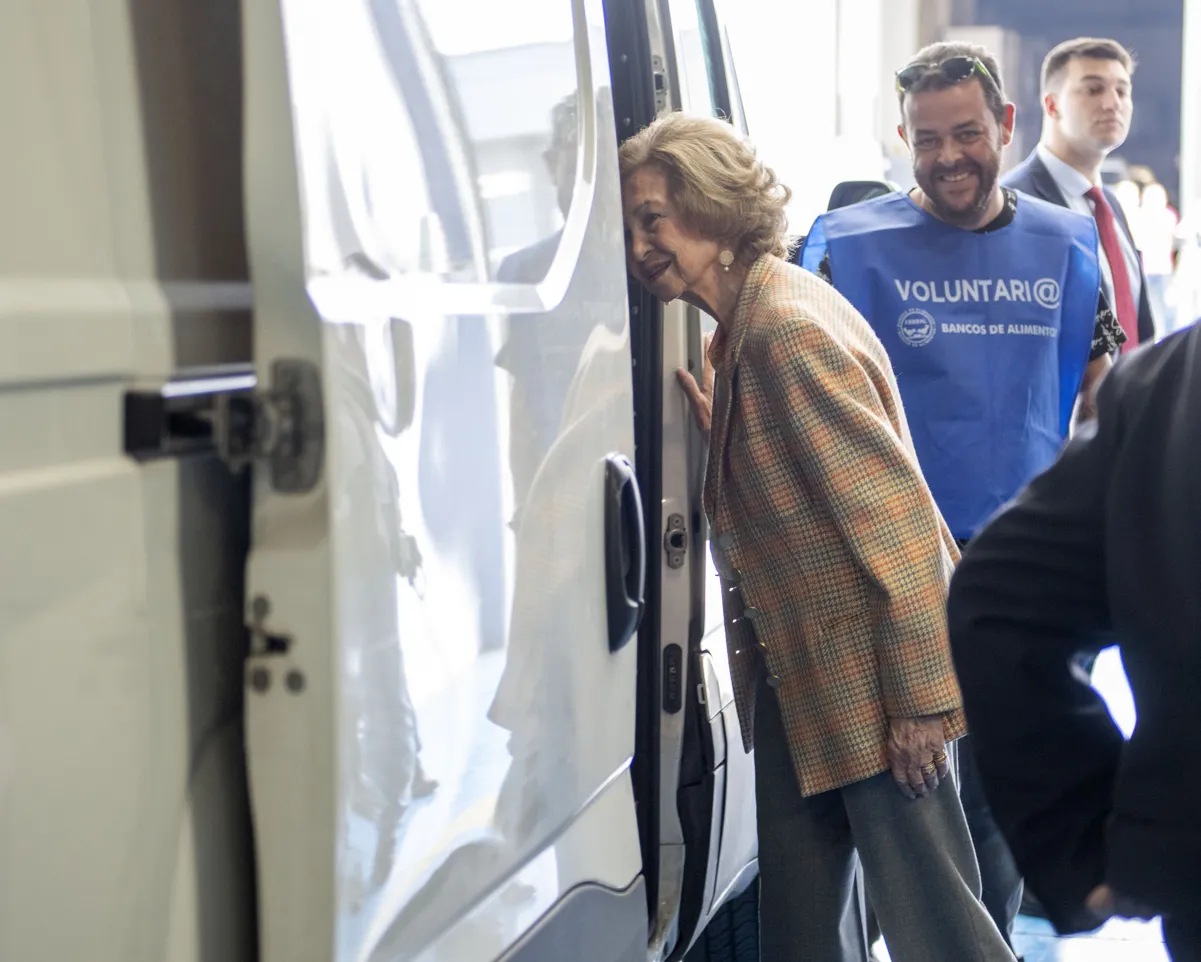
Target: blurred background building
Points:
x,y
1150,29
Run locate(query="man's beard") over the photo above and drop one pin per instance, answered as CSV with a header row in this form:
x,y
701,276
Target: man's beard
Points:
x,y
986,182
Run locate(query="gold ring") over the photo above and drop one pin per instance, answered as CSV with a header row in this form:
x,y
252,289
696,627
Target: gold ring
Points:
x,y
929,769
940,758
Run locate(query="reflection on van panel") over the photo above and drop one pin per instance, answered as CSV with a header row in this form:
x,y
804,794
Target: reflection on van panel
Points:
x,y
500,726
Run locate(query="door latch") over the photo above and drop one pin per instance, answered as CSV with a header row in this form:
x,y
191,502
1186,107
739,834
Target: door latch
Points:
x,y
675,541
659,80
225,412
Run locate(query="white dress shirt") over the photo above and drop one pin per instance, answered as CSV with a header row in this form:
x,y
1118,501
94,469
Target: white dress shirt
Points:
x,y
1074,185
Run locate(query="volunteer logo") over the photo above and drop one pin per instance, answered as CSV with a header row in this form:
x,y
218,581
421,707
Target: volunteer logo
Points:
x,y
916,327
1047,294
980,290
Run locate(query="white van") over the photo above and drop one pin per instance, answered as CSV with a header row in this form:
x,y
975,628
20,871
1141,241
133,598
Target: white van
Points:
x,y
356,602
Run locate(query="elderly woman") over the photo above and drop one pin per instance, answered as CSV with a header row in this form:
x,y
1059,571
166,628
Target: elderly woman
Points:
x,y
835,564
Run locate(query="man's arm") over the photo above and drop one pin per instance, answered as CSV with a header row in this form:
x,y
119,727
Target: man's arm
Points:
x,y
1086,403
1108,336
836,429
824,271
1029,594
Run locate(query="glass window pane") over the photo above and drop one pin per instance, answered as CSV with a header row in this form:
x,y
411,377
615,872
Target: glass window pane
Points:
x,y
435,137
692,64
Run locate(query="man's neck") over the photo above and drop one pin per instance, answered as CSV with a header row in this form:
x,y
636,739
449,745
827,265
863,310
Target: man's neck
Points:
x,y
990,213
1087,163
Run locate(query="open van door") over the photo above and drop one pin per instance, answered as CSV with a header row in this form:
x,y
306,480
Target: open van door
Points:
x,y
448,553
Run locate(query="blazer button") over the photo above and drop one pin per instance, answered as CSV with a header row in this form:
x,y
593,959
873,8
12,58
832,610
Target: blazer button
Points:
x,y
773,681
724,540
752,614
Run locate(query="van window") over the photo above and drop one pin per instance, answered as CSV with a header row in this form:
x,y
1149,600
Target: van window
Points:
x,y
513,77
436,138
692,62
738,117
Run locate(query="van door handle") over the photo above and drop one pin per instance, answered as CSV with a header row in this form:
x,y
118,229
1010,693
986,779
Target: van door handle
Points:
x,y
625,551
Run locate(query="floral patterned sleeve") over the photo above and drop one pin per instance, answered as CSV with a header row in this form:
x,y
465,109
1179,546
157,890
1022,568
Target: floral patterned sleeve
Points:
x,y
1108,335
823,270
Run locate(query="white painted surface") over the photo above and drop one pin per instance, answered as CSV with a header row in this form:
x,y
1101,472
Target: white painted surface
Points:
x,y
444,587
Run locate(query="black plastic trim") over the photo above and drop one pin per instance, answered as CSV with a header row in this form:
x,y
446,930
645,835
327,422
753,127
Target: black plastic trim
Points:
x,y
695,806
625,552
175,420
673,679
633,83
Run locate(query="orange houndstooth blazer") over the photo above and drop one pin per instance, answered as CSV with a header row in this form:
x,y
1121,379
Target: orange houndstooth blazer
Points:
x,y
834,558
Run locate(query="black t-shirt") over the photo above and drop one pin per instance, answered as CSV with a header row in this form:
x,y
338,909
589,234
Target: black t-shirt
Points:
x,y
1108,335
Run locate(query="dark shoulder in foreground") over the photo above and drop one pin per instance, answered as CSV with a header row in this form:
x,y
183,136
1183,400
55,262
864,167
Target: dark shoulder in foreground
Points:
x,y
1166,365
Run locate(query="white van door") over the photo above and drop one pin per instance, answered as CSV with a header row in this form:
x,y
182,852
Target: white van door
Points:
x,y
442,591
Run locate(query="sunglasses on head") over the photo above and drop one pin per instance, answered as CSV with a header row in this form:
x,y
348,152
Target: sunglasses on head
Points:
x,y
954,70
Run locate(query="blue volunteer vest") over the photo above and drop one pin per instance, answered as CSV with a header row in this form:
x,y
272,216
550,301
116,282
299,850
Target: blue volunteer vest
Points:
x,y
988,335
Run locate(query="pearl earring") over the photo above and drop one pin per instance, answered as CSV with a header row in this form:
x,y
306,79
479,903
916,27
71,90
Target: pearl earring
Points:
x,y
725,258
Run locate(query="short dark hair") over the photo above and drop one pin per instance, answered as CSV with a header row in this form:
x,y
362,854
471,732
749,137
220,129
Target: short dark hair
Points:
x,y
1086,48
936,53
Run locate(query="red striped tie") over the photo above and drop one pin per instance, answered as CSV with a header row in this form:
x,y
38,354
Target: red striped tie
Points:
x,y
1123,297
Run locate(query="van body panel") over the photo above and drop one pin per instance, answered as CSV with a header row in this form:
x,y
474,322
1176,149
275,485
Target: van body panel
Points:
x,y
124,830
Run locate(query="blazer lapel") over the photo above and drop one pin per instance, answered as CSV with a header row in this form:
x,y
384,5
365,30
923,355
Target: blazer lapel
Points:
x,y
723,394
1044,183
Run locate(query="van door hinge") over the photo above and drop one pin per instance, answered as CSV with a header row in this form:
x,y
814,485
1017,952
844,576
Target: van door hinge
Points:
x,y
225,412
284,426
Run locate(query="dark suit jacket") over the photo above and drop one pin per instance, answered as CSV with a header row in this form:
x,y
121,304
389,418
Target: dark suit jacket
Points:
x,y
1032,177
1105,546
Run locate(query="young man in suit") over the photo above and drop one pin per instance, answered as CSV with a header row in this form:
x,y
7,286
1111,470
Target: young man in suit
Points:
x,y
1088,106
1103,545
1087,109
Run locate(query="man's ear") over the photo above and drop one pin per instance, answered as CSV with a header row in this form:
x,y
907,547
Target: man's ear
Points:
x,y
1051,104
1007,124
903,134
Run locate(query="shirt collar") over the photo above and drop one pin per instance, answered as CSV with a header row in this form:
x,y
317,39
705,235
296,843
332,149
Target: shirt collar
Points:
x,y
1068,179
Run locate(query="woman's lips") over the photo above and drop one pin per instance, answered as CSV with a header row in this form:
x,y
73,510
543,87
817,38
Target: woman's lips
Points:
x,y
654,272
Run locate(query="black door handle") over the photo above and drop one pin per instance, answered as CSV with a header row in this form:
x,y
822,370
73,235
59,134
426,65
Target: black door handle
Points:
x,y
625,551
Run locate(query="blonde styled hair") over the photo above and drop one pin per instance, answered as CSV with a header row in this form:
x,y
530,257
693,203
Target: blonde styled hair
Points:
x,y
720,187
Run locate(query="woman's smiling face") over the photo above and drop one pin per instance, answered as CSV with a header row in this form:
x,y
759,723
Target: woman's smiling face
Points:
x,y
664,255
